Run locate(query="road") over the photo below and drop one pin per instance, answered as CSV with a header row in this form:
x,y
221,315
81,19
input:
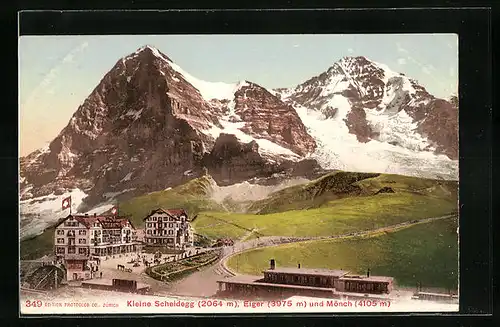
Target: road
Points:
x,y
203,283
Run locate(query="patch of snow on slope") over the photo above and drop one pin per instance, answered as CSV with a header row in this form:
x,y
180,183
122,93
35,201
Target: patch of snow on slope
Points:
x,y
231,124
398,128
101,208
208,90
338,149
127,177
335,83
39,213
110,195
134,113
342,104
251,192
266,147
42,150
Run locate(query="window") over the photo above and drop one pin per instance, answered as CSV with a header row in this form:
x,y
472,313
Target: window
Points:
x,y
82,241
60,250
82,250
71,250
170,232
148,231
159,225
82,232
171,225
60,232
60,240
154,218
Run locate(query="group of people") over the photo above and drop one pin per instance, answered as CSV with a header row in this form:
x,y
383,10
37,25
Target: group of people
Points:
x,y
95,269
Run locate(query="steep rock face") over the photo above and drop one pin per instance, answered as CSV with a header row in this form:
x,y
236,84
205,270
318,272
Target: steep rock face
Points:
x,y
267,116
135,130
148,125
231,161
366,96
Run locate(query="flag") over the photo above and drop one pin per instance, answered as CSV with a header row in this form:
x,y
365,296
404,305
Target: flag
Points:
x,y
66,203
114,211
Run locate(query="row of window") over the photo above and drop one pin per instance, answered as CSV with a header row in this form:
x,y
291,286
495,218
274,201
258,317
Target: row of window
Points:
x,y
155,240
80,232
299,279
355,286
165,218
160,225
71,223
159,232
80,241
111,232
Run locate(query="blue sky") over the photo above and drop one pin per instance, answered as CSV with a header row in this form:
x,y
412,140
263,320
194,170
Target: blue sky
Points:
x,y
58,72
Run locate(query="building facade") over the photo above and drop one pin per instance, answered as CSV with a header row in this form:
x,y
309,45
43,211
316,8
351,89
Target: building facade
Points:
x,y
169,228
288,281
79,238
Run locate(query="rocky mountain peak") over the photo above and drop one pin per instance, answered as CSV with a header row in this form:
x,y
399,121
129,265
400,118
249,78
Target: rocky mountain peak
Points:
x,y
371,99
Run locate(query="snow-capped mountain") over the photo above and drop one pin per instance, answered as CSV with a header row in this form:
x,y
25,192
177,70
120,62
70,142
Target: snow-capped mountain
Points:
x,y
150,125
366,117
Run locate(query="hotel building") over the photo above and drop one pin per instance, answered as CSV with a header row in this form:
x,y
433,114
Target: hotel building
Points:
x,y
169,228
79,238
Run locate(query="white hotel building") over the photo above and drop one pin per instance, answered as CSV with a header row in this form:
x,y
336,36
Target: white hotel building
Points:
x,y
168,228
79,238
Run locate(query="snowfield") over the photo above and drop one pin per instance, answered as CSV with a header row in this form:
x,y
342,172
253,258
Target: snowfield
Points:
x,y
341,150
246,191
41,212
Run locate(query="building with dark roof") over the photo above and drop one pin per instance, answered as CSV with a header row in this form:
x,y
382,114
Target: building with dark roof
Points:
x,y
289,281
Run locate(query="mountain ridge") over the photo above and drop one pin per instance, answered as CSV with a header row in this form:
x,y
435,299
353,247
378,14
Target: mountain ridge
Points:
x,y
149,125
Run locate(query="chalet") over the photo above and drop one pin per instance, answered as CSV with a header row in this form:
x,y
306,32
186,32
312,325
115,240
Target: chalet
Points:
x,y
169,228
79,238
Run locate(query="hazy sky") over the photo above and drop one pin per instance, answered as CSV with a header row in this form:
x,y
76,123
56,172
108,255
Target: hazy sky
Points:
x,y
58,72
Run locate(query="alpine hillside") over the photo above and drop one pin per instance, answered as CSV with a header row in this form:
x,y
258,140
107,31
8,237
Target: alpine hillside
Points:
x,y
148,126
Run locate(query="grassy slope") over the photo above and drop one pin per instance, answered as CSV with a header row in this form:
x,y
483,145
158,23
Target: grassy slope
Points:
x,y
38,246
333,212
313,194
427,253
192,196
341,202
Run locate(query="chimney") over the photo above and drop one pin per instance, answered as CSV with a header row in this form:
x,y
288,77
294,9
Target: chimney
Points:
x,y
298,266
86,215
272,264
368,273
95,215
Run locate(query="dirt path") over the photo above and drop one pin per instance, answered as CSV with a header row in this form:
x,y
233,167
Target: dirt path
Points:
x,y
204,282
270,241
